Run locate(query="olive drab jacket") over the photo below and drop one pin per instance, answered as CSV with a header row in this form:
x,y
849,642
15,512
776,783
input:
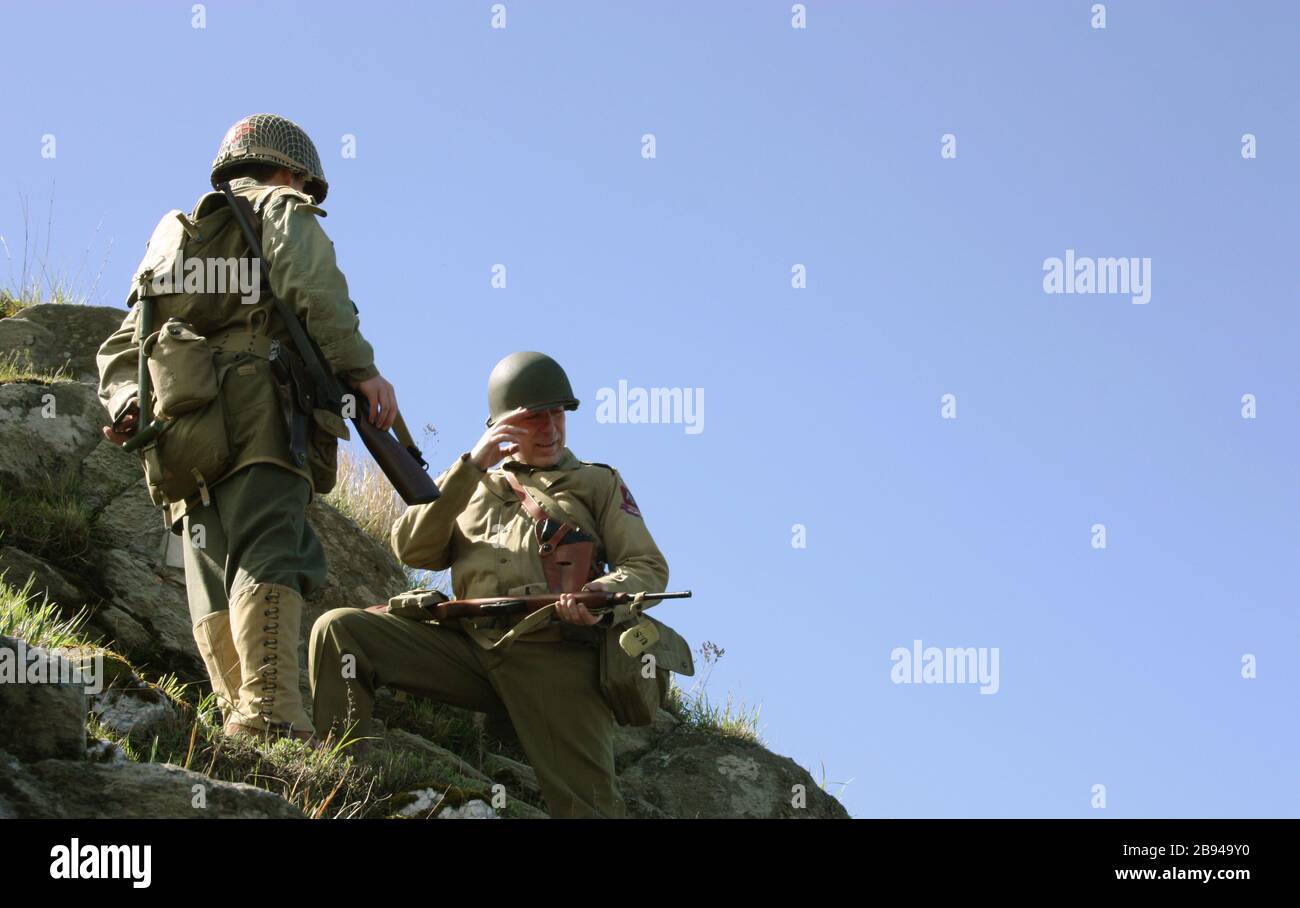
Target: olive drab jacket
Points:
x,y
480,530
242,326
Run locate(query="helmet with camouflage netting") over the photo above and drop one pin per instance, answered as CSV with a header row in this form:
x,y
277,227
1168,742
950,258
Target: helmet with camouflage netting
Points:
x,y
269,139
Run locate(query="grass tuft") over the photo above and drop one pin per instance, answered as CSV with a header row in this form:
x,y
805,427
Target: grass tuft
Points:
x,y
32,280
730,719
16,366
364,495
48,519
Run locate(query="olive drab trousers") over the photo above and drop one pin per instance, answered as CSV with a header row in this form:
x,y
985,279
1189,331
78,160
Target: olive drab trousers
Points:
x,y
550,689
254,531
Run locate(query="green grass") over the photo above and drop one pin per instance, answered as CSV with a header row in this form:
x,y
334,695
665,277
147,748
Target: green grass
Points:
x,y
729,719
32,278
48,519
364,495
34,618
16,366
330,782
43,623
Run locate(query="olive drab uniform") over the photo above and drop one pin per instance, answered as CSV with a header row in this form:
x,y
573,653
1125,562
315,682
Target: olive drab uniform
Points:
x,y
238,495
548,679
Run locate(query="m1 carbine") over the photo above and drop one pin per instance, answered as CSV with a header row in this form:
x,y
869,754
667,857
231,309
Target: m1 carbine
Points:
x,y
598,602
614,610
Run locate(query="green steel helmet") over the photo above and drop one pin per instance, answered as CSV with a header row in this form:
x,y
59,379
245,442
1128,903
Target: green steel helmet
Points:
x,y
269,139
531,380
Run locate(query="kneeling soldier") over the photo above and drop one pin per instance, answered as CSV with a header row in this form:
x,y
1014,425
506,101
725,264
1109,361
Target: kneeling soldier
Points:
x,y
525,529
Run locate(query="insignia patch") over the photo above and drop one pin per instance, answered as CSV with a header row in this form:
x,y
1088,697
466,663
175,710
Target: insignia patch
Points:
x,y
629,503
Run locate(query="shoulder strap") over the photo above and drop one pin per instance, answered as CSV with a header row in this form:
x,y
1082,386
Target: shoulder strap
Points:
x,y
529,502
535,511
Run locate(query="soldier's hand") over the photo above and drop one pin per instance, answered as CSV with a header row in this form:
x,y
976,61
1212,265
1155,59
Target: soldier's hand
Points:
x,y
505,431
383,401
122,430
575,612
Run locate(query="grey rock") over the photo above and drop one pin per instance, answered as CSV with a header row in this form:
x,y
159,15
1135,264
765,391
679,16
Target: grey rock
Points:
x,y
631,743
61,335
108,471
693,775
131,522
155,601
131,712
40,718
397,739
66,789
120,632
17,567
101,751
45,430
470,810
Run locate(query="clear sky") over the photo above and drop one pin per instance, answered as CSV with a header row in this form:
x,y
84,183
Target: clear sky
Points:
x,y
822,147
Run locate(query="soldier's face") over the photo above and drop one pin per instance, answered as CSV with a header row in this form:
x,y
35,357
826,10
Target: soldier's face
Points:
x,y
544,443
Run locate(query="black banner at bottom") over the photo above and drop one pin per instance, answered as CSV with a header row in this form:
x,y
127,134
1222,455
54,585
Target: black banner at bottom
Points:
x,y
170,856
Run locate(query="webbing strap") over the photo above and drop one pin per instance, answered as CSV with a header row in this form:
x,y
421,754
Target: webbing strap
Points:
x,y
529,623
544,548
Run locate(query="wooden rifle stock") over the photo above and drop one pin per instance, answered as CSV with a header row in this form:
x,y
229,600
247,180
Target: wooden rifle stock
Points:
x,y
397,455
594,600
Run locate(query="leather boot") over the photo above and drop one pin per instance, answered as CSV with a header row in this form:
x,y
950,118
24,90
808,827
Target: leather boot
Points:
x,y
217,647
266,619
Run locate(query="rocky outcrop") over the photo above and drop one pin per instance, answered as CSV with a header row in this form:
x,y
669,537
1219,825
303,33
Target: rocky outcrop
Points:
x,y
42,703
61,337
78,789
692,775
130,581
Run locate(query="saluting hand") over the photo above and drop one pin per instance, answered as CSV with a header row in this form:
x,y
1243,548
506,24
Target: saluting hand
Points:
x,y
505,431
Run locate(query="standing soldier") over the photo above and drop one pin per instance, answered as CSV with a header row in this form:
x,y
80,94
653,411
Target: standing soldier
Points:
x,y
544,523
244,449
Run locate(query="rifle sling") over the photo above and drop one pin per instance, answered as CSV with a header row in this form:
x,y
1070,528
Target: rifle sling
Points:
x,y
327,389
251,224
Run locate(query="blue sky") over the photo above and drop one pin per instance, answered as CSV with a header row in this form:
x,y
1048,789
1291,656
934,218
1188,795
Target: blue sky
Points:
x,y
819,147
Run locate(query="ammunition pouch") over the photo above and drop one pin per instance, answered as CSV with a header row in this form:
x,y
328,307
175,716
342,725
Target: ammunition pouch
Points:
x,y
412,604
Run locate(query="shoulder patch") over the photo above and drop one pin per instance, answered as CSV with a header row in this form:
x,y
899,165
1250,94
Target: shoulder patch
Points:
x,y
629,503
592,463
